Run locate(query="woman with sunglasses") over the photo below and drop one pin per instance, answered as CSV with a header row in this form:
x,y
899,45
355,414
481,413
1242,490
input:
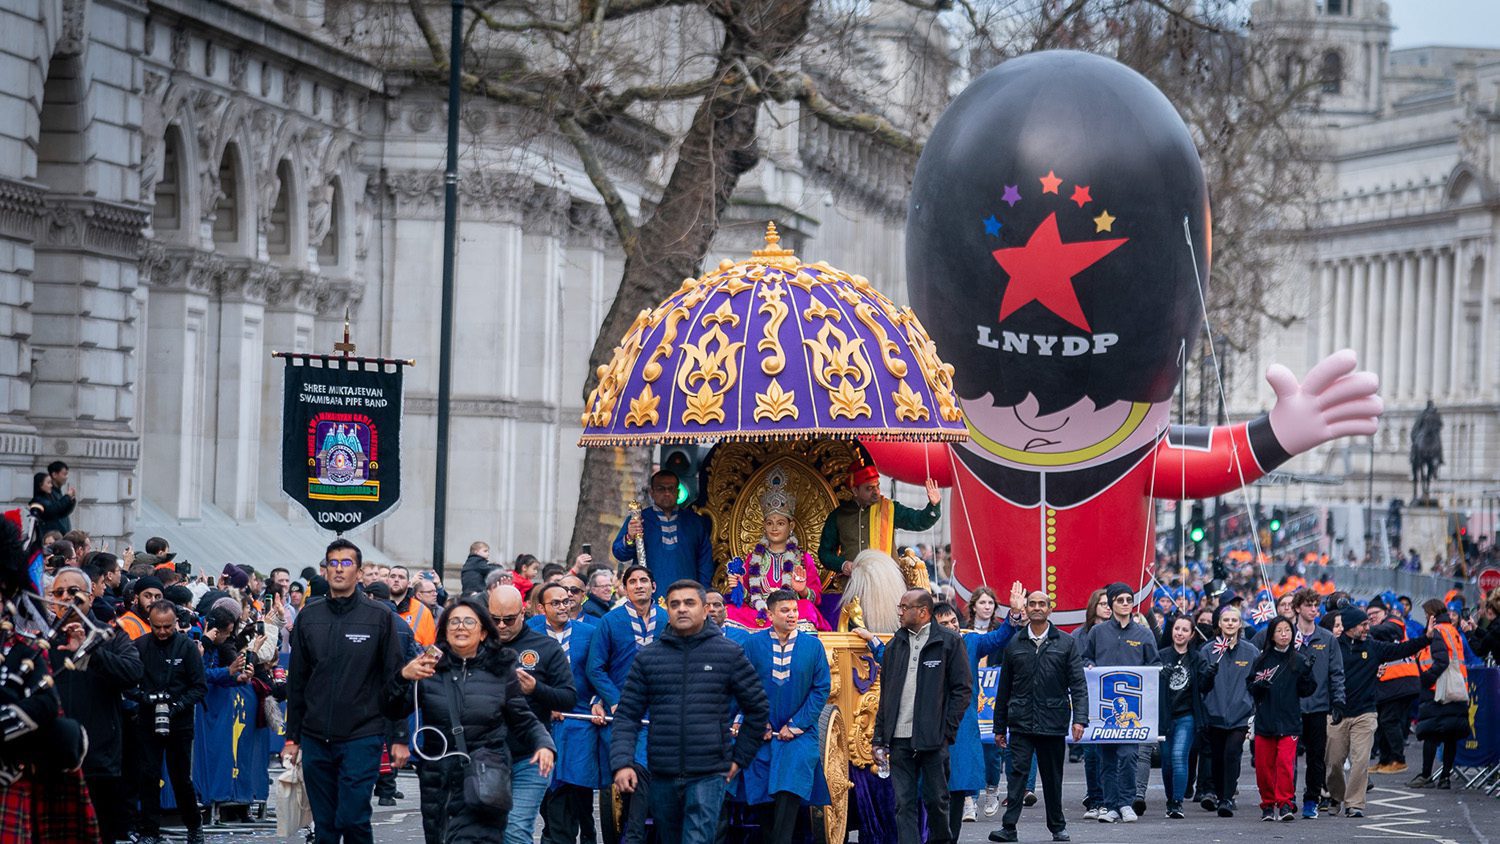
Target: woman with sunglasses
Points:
x,y
473,675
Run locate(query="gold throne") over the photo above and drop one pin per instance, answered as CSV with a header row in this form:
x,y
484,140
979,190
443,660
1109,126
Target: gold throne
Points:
x,y
736,471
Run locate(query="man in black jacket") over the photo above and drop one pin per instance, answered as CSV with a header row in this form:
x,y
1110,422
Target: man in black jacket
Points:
x,y
1041,690
926,687
546,679
1353,737
344,650
687,680
172,684
90,695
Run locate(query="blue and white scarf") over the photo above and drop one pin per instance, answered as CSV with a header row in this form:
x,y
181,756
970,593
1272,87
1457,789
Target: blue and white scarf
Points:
x,y
666,527
643,628
562,638
781,658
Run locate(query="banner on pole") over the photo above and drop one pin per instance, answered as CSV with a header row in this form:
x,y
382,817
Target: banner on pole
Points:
x,y
341,438
1481,747
1123,704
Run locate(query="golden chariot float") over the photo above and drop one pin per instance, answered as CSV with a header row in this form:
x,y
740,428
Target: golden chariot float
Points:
x,y
784,367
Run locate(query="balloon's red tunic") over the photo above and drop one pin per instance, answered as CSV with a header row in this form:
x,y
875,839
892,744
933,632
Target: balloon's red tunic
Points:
x,y
1073,531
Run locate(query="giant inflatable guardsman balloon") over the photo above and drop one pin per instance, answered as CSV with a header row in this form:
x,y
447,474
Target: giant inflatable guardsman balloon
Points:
x,y
1056,249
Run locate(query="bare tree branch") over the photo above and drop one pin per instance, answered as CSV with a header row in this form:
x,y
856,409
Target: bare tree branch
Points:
x,y
802,88
619,215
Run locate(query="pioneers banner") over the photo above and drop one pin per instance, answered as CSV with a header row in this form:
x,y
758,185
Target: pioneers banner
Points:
x,y
1122,703
341,438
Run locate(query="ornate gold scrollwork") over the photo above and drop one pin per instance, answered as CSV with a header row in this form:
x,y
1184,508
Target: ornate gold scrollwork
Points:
x,y
835,761
939,375
643,410
652,370
776,313
841,367
862,729
909,404
890,353
775,404
819,310
713,360
612,376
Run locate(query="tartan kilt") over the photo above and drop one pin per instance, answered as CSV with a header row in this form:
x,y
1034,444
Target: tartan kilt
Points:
x,y
48,809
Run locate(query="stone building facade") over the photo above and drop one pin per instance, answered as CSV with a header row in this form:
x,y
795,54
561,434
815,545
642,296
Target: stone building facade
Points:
x,y
1400,261
186,186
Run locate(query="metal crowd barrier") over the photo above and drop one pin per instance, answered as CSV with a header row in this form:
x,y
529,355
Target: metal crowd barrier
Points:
x,y
1365,582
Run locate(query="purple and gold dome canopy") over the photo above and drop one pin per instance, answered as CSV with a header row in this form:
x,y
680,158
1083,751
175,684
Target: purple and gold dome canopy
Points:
x,y
772,348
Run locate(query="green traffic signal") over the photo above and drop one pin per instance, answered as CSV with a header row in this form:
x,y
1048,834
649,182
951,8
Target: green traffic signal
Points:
x,y
1275,525
682,493
1196,534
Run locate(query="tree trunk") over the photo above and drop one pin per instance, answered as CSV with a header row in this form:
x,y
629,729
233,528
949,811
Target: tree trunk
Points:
x,y
718,148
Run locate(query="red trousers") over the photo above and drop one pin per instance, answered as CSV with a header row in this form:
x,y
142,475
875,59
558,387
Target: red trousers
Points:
x,y
1276,769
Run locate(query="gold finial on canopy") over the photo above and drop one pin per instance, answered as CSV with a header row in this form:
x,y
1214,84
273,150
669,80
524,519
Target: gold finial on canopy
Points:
x,y
773,253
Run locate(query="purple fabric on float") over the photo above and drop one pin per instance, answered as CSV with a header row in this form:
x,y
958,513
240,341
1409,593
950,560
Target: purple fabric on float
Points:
x,y
875,802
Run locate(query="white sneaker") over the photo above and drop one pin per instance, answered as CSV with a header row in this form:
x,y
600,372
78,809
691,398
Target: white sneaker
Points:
x,y
1127,815
1110,816
1091,814
991,803
969,815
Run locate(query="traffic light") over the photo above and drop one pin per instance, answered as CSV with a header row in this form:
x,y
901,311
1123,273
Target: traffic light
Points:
x,y
1276,518
686,462
1196,531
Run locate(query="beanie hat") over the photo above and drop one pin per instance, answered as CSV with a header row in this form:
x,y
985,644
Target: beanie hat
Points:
x,y
147,582
1115,590
1377,604
1353,617
236,576
229,605
379,591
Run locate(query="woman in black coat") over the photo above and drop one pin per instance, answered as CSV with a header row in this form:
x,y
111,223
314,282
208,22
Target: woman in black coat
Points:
x,y
1439,724
1185,676
475,675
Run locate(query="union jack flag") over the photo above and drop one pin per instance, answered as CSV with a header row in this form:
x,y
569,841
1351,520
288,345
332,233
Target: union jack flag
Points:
x,y
1220,646
1266,675
1263,612
1302,639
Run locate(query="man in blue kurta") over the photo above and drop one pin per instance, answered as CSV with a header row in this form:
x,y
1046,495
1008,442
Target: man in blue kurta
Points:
x,y
788,770
567,809
677,541
621,634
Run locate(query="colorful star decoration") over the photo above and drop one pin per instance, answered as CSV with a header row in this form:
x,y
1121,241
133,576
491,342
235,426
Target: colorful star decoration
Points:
x,y
1042,271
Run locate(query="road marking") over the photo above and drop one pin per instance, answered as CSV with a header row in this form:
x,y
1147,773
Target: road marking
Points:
x,y
1401,816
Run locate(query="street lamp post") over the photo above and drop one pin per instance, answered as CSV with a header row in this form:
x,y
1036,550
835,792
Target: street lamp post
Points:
x,y
445,328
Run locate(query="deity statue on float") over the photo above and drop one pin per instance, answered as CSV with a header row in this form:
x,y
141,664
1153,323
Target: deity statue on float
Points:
x,y
776,562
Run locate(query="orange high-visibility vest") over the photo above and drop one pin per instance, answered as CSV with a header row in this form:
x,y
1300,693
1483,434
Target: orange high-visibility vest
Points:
x,y
1455,645
133,626
1406,667
423,626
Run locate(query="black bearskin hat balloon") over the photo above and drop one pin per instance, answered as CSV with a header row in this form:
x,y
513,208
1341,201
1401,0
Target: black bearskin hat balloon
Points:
x,y
1058,235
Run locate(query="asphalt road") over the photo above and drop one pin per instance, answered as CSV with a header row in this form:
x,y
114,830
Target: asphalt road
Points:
x,y
1393,813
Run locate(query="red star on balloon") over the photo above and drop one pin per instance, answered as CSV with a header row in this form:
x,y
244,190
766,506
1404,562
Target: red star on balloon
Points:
x,y
1042,271
1050,182
1081,195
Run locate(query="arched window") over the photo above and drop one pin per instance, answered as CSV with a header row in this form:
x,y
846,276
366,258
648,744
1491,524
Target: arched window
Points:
x,y
227,209
328,250
1331,72
168,206
279,238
